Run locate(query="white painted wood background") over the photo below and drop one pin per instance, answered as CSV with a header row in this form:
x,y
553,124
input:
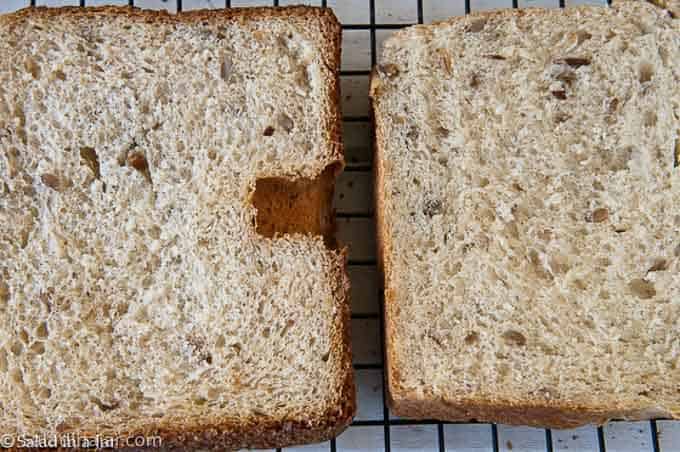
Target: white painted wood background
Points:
x,y
356,227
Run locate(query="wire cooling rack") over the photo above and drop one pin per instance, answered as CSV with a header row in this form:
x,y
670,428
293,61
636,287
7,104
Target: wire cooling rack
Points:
x,y
366,24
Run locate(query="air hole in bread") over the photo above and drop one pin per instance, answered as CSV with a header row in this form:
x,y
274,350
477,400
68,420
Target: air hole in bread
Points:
x,y
604,262
471,338
286,327
219,342
23,336
642,289
44,393
579,284
226,68
302,79
452,269
137,160
3,361
646,72
512,337
598,215
445,61
659,265
17,348
285,122
574,62
290,206
441,132
559,94
582,36
236,348
538,267
389,70
512,230
17,377
54,181
560,117
432,207
559,264
474,81
122,308
38,348
32,67
4,293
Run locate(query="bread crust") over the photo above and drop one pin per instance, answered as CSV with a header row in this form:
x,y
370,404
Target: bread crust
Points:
x,y
422,403
513,412
258,431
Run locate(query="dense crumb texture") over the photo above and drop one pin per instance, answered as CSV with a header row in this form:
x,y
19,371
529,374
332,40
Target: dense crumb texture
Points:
x,y
136,294
528,215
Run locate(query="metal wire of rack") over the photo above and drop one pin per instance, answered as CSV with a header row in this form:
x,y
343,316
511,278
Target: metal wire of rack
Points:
x,y
488,437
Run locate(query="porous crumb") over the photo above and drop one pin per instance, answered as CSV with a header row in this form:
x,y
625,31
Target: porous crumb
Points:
x,y
557,240
133,280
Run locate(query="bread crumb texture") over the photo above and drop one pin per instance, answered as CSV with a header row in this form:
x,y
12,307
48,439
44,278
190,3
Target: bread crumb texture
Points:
x,y
135,293
530,215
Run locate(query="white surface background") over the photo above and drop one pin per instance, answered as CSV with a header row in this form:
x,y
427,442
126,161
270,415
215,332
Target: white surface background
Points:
x,y
356,227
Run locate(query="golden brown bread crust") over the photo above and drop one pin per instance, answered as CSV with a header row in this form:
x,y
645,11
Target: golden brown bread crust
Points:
x,y
518,412
384,265
259,431
422,404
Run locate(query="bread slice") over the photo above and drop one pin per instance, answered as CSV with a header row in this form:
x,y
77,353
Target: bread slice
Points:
x,y
528,215
165,188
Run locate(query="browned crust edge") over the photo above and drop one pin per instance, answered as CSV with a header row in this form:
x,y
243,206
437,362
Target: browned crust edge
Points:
x,y
532,413
383,243
423,404
670,6
259,431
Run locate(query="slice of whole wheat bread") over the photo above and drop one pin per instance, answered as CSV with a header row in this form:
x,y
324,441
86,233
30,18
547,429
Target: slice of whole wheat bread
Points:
x,y
165,196
528,215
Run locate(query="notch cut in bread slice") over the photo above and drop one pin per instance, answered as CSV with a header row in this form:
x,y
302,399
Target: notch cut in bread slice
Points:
x,y
151,283
528,215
